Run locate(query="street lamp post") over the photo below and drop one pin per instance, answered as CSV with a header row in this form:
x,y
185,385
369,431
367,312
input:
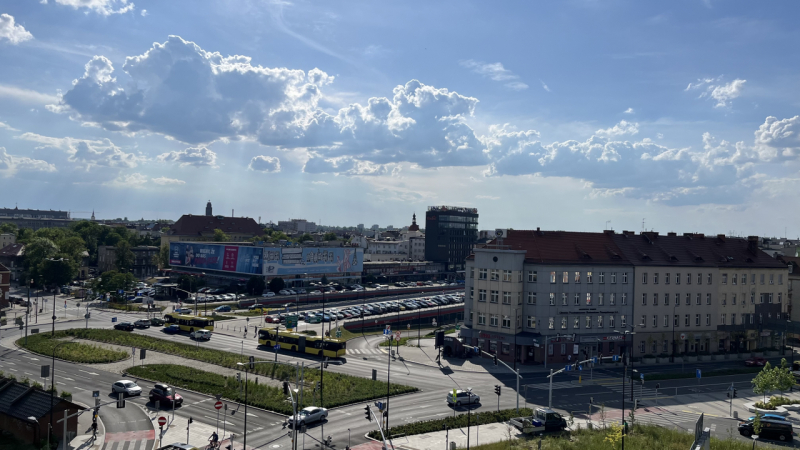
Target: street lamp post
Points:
x,y
53,388
28,311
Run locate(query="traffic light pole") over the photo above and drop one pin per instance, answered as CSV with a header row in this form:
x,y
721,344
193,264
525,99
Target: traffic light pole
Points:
x,y
518,377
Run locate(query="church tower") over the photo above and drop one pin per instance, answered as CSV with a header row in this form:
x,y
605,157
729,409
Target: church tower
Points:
x,y
208,208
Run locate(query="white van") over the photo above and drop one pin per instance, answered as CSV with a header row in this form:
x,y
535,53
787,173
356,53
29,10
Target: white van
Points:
x,y
200,335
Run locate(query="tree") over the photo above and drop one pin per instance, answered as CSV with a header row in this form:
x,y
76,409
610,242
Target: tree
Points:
x,y
784,380
220,236
765,381
8,228
324,279
329,236
256,285
113,281
124,256
161,259
276,236
36,251
305,237
276,284
58,272
757,426
614,436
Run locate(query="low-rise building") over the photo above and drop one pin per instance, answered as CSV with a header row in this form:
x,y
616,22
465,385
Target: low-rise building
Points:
x,y
11,256
5,284
24,412
143,263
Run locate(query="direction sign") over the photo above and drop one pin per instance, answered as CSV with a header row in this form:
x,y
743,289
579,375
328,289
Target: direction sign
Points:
x,y
113,319
580,367
615,358
218,405
386,332
277,347
291,322
162,421
641,376
594,359
96,394
409,326
698,373
568,368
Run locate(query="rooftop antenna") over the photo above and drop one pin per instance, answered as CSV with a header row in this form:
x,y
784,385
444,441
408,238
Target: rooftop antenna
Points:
x,y
643,224
607,222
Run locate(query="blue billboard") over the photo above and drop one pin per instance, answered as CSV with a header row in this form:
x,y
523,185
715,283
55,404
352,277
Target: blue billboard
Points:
x,y
227,258
316,260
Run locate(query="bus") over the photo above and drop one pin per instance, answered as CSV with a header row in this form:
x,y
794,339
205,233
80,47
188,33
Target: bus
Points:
x,y
189,323
296,342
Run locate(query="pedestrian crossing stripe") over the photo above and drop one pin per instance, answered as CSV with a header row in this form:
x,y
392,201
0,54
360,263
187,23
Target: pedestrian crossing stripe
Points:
x,y
556,385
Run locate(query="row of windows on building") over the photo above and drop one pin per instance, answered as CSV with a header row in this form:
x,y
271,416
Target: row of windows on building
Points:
x,y
589,321
588,277
698,299
599,299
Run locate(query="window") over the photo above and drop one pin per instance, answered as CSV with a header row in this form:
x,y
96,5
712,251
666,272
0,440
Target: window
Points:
x,y
482,274
780,278
481,295
601,277
550,326
709,279
643,323
733,299
471,316
642,347
655,278
697,319
708,299
733,319
699,278
577,299
552,277
550,349
665,346
625,277
565,277
563,323
588,299
666,320
552,299
624,299
613,299
697,299
771,278
494,296
481,318
677,299
599,321
644,299
644,277
472,272
688,278
531,298
611,321
532,322
506,275
494,274
677,278
761,298
676,319
688,299
666,299
753,279
666,278
734,279
780,294
563,299
533,277
613,277
506,298
686,320
655,299
577,277
506,348
723,299
519,276
622,321
769,297
722,320
493,320
506,322
762,278
576,323
600,299
655,320
588,321
588,277
752,298
471,293
751,319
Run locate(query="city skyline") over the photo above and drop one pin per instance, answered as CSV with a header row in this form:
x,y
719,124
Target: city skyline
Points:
x,y
576,116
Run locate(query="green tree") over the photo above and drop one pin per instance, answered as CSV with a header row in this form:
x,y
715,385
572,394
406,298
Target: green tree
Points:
x,y
329,236
220,236
124,256
276,284
256,285
8,228
276,236
161,259
112,281
765,381
36,251
57,272
757,426
784,380
304,238
614,436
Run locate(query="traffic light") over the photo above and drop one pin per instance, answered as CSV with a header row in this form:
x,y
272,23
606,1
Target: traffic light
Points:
x,y
239,377
368,413
635,403
285,388
497,390
495,358
439,339
734,392
658,385
191,420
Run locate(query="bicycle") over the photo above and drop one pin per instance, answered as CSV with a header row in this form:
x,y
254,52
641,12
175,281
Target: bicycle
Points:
x,y
213,445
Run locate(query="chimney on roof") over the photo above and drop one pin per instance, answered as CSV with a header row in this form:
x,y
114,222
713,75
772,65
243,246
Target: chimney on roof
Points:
x,y
752,244
629,233
721,237
700,235
231,212
672,233
689,235
608,232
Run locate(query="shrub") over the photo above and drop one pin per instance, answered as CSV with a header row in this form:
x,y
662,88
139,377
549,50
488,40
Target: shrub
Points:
x,y
44,344
458,421
649,356
65,394
762,405
26,381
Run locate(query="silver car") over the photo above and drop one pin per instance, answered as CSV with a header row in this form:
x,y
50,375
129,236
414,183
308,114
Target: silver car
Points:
x,y
310,414
126,387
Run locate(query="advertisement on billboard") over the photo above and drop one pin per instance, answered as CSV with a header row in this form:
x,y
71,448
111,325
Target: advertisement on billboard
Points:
x,y
295,261
228,258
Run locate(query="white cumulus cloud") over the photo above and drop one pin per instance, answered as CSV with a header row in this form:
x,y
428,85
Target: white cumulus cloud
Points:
x,y
628,111
192,156
620,129
267,164
11,164
12,32
496,72
102,7
164,181
88,153
717,90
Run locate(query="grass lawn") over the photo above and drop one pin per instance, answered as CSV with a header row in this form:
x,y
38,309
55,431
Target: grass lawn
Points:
x,y
339,389
451,422
642,437
393,343
133,307
43,344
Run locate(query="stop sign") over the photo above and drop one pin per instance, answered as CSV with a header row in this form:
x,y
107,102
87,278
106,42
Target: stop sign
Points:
x,y
218,405
162,421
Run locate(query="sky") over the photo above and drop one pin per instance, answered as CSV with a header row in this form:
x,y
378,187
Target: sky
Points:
x,y
572,115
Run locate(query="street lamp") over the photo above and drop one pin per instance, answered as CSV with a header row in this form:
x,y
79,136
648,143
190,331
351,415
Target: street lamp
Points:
x,y
625,334
33,419
53,387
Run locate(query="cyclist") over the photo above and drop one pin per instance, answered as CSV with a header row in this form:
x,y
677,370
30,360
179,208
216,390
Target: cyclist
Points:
x,y
214,439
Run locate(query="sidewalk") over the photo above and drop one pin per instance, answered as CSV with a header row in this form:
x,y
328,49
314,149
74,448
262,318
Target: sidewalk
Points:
x,y
483,434
84,440
198,433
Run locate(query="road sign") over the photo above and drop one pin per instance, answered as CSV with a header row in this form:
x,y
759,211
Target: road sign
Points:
x,y
698,373
162,421
594,359
615,358
252,361
133,351
683,336
386,332
408,326
397,335
218,405
641,376
291,322
458,327
568,368
120,291
113,319
580,367
339,332
96,394
277,347
379,405
454,395
388,328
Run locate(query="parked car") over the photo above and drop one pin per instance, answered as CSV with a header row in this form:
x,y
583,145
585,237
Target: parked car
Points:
x,y
124,326
755,361
172,329
223,308
268,294
310,414
126,387
551,420
314,319
780,430
283,292
463,398
165,395
156,322
200,335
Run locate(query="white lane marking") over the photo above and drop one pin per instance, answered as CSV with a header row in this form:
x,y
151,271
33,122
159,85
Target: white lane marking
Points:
x,y
79,388
32,359
252,415
67,378
90,373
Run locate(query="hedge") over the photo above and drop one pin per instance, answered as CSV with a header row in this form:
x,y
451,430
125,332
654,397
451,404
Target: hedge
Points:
x,y
428,426
44,344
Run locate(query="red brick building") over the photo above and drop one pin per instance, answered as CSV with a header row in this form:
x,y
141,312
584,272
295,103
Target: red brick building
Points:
x,y
5,283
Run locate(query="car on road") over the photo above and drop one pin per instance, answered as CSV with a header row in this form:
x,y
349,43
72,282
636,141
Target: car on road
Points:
x,y
272,319
256,307
156,322
755,361
124,326
780,430
142,323
223,308
165,395
463,398
183,310
126,387
172,329
314,319
283,292
268,294
769,417
200,335
310,414
301,291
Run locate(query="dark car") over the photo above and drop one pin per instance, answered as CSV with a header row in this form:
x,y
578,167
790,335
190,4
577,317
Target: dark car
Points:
x,y
124,326
165,396
223,308
755,361
142,323
172,329
156,322
780,430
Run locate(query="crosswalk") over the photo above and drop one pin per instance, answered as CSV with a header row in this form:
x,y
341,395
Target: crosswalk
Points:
x,y
656,416
638,392
131,440
556,385
364,351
